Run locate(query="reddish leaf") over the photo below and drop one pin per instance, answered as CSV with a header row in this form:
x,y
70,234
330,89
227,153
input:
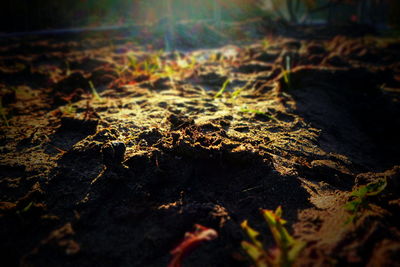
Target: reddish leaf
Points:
x,y
190,242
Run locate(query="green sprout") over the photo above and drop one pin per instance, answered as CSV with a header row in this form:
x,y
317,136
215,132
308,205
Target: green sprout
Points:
x,y
265,44
286,77
360,198
287,71
94,91
237,92
149,66
287,248
223,88
169,72
132,61
25,209
68,109
120,69
258,112
152,63
68,72
3,113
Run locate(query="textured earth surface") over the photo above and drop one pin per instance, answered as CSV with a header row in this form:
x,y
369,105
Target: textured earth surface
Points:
x,y
112,150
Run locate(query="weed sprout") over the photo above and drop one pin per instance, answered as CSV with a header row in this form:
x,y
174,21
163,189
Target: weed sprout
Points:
x,y
223,88
258,112
287,248
360,200
287,71
94,91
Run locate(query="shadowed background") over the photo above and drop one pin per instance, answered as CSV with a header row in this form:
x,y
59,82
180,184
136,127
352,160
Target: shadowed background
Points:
x,y
22,15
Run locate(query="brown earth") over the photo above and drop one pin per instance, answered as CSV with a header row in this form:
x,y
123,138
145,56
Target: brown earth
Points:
x,y
117,180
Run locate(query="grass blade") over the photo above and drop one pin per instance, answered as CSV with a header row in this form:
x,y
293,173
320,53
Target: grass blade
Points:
x,y
94,91
223,88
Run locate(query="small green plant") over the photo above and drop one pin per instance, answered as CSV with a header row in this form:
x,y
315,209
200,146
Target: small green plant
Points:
x,y
133,62
169,72
258,112
287,71
237,92
223,88
94,91
149,67
68,71
25,209
287,248
152,63
3,113
265,44
68,109
360,198
120,69
286,77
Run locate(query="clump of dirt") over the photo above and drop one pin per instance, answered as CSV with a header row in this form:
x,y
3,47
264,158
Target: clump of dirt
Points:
x,y
104,162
